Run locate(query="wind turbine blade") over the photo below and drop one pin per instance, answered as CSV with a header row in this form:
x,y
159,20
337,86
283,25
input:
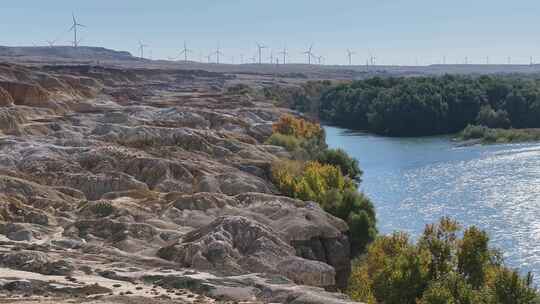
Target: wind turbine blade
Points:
x,y
82,25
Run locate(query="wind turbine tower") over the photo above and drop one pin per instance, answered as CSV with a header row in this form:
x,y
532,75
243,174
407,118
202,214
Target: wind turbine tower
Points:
x,y
284,53
260,47
141,48
349,55
271,58
218,53
309,54
74,29
185,51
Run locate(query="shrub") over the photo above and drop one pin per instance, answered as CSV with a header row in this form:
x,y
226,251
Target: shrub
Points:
x,y
99,208
450,289
474,256
397,269
240,89
509,288
358,211
297,127
310,181
339,158
440,268
360,284
473,132
326,185
289,142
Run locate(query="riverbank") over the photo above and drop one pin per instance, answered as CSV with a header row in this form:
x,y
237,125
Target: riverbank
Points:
x,y
479,134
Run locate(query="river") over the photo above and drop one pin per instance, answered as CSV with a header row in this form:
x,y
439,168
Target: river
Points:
x,y
416,181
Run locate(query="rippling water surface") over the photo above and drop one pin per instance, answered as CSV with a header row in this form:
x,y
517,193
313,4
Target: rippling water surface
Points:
x,y
415,181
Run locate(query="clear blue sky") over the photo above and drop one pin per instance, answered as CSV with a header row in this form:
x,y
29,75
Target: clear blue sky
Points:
x,y
395,31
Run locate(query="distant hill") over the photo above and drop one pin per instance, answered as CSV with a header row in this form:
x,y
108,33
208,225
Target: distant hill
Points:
x,y
108,57
82,53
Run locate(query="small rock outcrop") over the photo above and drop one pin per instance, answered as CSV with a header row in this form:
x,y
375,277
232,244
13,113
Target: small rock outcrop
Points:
x,y
5,98
237,245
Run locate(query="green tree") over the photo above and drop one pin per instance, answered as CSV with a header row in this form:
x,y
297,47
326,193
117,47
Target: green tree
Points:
x,y
338,157
474,256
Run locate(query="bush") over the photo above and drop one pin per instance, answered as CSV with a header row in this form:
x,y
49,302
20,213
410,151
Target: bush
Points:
x,y
450,289
326,185
473,132
300,137
289,142
474,256
299,128
509,288
440,268
311,181
240,89
358,211
338,157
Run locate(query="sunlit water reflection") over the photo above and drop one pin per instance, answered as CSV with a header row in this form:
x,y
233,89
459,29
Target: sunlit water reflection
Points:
x,y
415,181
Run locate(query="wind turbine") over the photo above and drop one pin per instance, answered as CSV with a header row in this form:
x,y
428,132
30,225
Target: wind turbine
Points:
x,y
309,54
141,48
372,59
51,43
218,53
260,47
284,53
271,58
349,55
319,59
185,52
74,29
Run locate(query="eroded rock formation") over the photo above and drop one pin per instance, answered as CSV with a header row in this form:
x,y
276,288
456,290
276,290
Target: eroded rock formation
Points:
x,y
148,182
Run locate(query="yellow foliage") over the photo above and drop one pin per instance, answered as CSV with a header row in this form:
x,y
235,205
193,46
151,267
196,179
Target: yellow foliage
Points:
x,y
360,285
309,181
297,127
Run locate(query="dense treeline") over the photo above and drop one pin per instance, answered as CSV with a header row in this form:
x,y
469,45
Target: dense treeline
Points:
x,y
419,106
